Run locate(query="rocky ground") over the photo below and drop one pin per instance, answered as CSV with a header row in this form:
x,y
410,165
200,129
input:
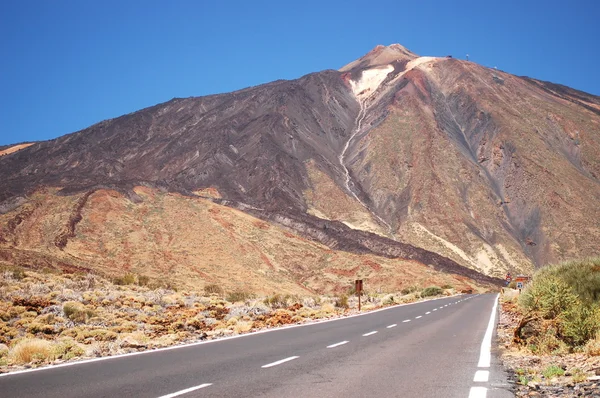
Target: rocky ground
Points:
x,y
565,375
49,317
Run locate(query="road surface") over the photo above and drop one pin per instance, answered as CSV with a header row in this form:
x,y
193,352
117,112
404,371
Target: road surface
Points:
x,y
437,348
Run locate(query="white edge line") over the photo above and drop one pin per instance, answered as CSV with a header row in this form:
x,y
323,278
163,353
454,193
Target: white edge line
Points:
x,y
370,333
186,391
478,392
485,355
280,362
338,344
176,347
393,325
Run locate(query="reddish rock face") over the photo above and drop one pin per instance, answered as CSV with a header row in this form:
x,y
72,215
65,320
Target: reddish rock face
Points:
x,y
480,168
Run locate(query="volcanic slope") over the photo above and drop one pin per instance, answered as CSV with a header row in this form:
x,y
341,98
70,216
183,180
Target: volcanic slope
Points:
x,y
390,154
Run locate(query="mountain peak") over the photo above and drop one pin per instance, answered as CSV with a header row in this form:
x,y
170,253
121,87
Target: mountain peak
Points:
x,y
381,55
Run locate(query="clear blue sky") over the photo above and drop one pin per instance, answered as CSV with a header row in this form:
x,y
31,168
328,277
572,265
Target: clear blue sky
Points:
x,y
68,64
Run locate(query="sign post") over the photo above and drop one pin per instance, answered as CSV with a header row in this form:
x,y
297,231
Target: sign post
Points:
x,y
358,287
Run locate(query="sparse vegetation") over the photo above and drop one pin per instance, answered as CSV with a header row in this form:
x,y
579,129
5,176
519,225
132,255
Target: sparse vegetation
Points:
x,y
553,326
50,316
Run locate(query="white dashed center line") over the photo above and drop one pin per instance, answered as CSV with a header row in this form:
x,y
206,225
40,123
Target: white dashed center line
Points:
x,y
435,309
337,344
478,392
420,316
279,362
175,394
370,333
482,376
428,312
406,320
393,325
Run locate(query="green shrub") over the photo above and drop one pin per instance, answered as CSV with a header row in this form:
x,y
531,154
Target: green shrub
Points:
x,y
582,276
547,296
431,291
552,371
563,297
447,287
580,324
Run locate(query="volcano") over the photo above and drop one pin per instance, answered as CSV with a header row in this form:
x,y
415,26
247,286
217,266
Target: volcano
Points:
x,y
396,167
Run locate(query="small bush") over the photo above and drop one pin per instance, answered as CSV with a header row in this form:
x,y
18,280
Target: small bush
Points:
x,y
77,312
409,290
592,348
68,349
143,280
30,350
18,274
389,300
561,296
276,301
447,287
127,279
578,375
342,301
553,371
431,291
239,295
213,288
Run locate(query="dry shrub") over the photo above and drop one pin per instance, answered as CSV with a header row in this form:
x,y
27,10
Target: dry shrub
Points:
x,y
239,295
277,301
29,350
592,347
327,308
242,326
342,301
213,288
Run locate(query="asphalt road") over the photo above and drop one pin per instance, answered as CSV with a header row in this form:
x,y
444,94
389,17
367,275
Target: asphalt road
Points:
x,y
427,349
